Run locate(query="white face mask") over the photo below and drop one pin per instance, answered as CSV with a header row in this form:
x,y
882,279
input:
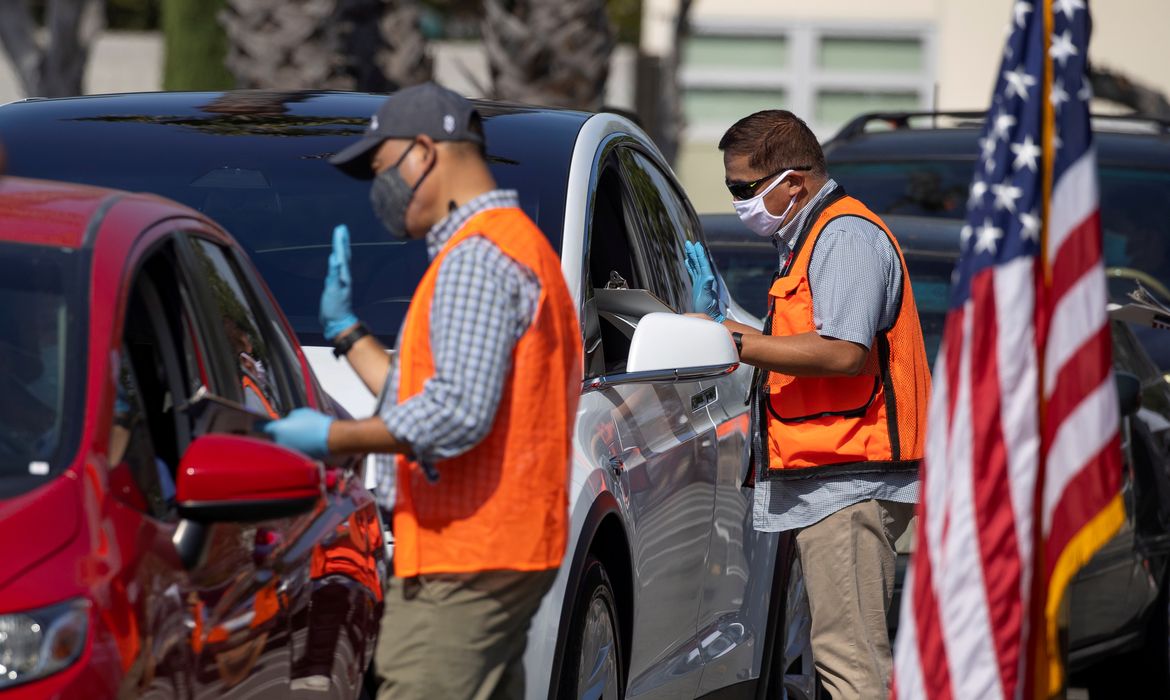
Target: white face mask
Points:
x,y
755,215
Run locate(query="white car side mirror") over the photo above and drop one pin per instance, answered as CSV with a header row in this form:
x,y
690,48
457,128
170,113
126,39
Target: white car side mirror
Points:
x,y
681,344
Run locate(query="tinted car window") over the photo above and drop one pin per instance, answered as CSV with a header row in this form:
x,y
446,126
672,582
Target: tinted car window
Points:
x,y
261,372
42,346
664,224
1136,229
256,162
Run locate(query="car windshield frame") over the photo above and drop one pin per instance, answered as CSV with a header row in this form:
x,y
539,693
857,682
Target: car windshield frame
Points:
x,y
73,269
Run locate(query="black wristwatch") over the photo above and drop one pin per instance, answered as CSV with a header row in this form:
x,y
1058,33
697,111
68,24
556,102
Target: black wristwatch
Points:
x,y
737,338
343,343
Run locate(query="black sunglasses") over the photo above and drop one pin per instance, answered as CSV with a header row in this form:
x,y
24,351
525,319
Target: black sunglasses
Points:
x,y
747,190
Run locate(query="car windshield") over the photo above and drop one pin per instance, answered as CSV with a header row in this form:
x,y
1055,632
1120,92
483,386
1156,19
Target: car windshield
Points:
x,y
1136,231
262,173
41,361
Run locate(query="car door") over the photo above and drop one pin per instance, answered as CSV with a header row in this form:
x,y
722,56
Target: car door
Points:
x,y
329,564
653,441
729,613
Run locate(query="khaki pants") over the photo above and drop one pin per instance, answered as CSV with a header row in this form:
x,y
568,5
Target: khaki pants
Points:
x,y
848,562
456,636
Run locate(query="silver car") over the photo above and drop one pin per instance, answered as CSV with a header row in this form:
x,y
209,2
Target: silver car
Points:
x,y
665,591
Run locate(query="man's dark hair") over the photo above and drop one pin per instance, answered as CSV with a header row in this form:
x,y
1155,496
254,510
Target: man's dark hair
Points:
x,y
773,140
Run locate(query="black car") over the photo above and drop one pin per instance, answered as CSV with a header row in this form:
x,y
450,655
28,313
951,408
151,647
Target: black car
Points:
x,y
914,170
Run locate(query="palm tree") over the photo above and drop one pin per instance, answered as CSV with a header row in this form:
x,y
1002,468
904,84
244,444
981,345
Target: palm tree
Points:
x,y
372,45
55,65
549,52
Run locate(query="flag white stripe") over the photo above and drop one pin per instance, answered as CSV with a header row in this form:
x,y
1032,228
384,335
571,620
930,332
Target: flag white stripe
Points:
x,y
1086,431
965,619
1018,387
907,665
1074,199
1079,315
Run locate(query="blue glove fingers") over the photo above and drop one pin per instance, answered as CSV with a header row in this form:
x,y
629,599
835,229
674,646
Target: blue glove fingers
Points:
x,y
704,263
341,253
304,430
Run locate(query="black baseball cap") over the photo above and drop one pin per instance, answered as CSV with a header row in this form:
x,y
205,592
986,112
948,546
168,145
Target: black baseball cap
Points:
x,y
422,109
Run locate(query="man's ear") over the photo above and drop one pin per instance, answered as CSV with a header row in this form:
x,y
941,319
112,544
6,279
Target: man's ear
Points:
x,y
427,151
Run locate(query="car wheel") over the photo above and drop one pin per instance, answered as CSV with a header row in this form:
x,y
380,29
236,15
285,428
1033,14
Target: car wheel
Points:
x,y
593,653
800,676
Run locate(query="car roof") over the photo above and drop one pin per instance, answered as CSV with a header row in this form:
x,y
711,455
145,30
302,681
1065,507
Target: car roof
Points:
x,y
1121,140
42,212
917,235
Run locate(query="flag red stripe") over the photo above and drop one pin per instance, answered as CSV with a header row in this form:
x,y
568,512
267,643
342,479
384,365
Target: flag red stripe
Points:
x,y
1080,377
932,652
999,548
1086,495
1079,254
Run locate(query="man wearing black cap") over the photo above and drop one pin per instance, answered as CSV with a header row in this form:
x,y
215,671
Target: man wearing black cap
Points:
x,y
478,408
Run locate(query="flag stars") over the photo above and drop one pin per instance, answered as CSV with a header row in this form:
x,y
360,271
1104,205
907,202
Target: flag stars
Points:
x,y
1026,154
1003,125
1006,196
1018,82
1058,96
1030,226
1086,91
987,146
1062,48
965,234
1069,7
978,189
1020,12
987,237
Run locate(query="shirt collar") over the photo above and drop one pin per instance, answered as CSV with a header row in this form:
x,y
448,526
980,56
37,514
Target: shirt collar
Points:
x,y
442,232
789,234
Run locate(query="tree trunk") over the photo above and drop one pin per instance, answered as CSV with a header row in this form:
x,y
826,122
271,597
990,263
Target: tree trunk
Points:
x,y
549,52
56,66
372,45
195,46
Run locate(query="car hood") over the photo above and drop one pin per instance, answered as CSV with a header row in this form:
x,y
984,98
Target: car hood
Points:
x,y
37,524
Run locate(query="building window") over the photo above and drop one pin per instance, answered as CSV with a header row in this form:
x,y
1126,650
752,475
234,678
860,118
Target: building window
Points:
x,y
825,74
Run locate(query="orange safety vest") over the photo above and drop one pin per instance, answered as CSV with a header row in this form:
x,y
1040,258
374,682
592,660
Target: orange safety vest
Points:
x,y
871,423
504,503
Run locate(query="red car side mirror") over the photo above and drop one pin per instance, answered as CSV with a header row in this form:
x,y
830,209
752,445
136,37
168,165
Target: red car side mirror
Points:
x,y
244,479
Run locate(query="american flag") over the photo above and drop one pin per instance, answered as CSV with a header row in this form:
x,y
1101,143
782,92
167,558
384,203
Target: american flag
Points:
x,y
1021,477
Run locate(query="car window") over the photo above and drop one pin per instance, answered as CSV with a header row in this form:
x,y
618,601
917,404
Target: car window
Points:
x,y
262,374
610,264
159,363
664,223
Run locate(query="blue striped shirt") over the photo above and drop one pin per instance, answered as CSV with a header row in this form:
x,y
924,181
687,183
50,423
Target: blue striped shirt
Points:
x,y
484,302
856,282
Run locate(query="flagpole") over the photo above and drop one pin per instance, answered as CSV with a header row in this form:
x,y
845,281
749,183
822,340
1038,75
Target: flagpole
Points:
x,y
1039,663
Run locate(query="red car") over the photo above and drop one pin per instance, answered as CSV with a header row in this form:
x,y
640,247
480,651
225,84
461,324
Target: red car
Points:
x,y
154,545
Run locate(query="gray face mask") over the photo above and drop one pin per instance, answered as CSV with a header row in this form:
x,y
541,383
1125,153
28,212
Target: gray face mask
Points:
x,y
390,197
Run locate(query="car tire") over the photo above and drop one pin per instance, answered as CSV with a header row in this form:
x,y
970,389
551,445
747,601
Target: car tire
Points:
x,y
593,661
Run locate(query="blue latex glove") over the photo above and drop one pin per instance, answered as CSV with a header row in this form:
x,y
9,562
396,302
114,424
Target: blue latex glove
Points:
x,y
704,284
336,308
304,430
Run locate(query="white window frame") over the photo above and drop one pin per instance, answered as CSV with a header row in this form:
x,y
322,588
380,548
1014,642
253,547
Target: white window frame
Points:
x,y
801,79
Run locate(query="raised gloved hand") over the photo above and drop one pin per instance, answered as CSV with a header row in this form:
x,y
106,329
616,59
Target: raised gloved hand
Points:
x,y
336,308
304,430
704,284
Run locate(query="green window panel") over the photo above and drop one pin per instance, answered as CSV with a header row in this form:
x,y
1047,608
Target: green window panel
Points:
x,y
870,55
834,107
707,106
747,53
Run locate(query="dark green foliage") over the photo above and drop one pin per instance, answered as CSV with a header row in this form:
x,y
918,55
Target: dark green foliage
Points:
x,y
195,46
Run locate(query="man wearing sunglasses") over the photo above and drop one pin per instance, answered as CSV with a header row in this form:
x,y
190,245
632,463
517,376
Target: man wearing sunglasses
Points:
x,y
839,397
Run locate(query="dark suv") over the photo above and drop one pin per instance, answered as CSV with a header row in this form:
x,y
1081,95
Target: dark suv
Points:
x,y
915,169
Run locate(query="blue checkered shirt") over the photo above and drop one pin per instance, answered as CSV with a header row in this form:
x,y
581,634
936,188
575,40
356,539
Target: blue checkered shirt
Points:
x,y
856,282
484,302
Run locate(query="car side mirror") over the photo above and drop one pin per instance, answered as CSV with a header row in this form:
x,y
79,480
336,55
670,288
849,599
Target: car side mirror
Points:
x,y
1129,393
682,346
245,479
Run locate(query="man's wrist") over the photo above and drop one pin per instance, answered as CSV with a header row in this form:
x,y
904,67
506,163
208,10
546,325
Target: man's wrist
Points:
x,y
345,340
737,338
